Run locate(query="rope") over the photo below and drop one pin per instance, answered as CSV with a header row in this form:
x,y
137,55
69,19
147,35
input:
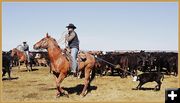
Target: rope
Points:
x,y
62,38
112,64
105,61
20,47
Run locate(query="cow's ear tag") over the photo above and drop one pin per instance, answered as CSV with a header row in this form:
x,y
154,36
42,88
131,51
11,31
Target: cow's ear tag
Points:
x,y
135,78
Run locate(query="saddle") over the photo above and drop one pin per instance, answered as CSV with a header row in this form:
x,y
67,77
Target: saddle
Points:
x,y
67,53
80,58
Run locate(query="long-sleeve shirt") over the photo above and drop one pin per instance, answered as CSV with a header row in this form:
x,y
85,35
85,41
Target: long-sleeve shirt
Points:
x,y
25,47
72,39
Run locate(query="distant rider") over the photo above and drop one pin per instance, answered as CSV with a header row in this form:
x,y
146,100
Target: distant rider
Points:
x,y
26,50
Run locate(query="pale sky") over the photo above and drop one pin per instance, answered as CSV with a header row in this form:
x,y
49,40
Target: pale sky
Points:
x,y
100,26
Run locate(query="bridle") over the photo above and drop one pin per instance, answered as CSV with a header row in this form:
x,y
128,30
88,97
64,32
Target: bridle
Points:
x,y
44,41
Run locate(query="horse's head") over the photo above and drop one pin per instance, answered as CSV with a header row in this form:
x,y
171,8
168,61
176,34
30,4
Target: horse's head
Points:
x,y
13,52
43,43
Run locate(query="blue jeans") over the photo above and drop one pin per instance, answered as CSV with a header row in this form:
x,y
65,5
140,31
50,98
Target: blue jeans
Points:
x,y
74,52
27,55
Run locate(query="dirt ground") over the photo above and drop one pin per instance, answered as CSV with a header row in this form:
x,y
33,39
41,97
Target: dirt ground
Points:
x,y
39,85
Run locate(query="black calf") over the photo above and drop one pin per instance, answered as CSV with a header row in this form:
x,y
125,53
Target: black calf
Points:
x,y
150,77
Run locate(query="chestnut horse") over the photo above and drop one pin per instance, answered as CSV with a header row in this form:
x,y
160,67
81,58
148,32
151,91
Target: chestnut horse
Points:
x,y
22,58
60,65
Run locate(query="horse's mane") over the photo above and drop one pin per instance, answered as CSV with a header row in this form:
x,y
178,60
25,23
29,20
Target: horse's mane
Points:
x,y
55,42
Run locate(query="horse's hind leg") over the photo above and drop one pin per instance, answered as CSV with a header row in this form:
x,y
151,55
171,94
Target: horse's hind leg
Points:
x,y
58,82
19,65
86,81
30,63
26,63
27,68
79,74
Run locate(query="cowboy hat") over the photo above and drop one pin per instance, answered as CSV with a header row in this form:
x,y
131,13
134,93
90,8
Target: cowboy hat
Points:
x,y
71,26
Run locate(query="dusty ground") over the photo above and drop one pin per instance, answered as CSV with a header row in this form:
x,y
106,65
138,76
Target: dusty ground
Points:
x,y
39,85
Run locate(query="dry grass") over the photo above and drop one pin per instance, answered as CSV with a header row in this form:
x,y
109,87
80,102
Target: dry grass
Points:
x,y
39,85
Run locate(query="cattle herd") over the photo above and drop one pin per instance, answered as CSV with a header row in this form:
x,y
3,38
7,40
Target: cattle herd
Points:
x,y
36,58
121,64
128,63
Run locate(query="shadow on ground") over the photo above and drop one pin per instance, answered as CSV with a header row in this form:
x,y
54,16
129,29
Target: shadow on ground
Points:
x,y
78,89
10,78
144,88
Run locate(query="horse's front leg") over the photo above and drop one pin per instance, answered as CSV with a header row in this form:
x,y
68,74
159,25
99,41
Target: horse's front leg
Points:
x,y
59,80
58,94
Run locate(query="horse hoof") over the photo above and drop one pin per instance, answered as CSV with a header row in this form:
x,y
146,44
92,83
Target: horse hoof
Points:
x,y
156,89
58,94
137,88
82,95
66,94
86,91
